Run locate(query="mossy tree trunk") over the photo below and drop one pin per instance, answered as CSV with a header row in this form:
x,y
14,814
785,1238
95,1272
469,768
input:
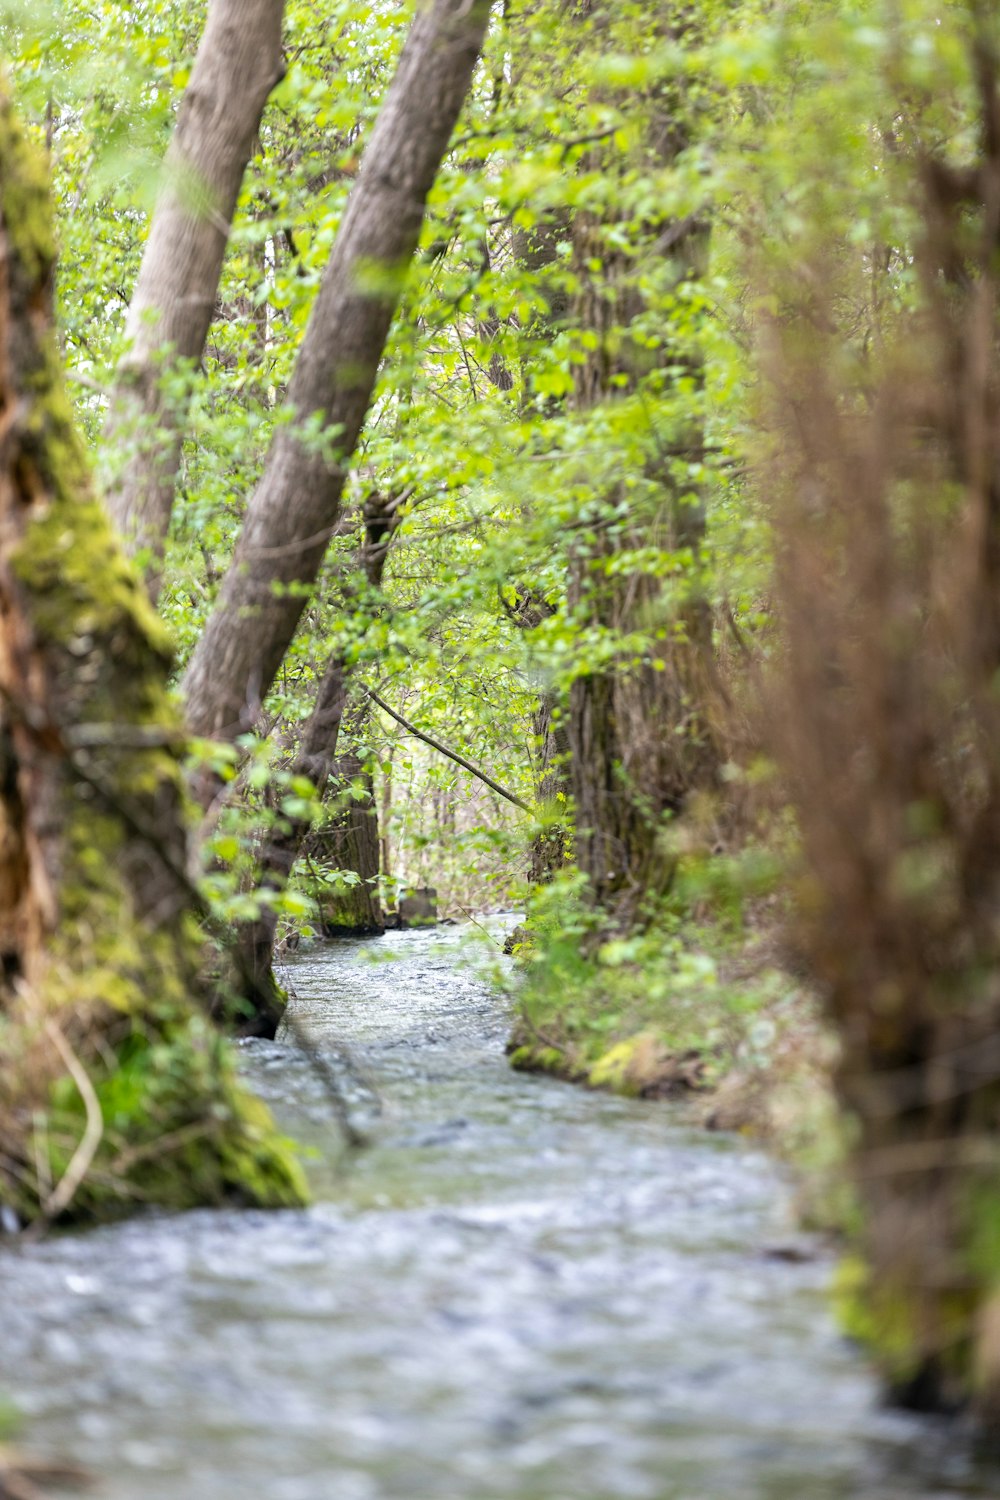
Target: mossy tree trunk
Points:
x,y
113,1087
350,843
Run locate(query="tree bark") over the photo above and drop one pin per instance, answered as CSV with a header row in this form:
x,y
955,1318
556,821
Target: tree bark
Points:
x,y
260,1001
112,1088
350,842
640,733
295,507
238,64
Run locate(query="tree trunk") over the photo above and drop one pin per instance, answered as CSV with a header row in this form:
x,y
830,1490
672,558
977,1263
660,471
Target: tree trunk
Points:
x,y
550,845
537,249
549,850
113,1088
350,842
639,731
296,505
238,64
260,999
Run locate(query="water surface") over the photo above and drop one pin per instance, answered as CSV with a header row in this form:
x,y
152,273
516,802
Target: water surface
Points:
x,y
520,1291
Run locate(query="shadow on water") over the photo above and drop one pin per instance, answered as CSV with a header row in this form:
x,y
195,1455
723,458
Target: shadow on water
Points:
x,y
518,1290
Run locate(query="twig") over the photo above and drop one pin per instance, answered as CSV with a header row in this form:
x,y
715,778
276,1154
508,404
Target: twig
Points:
x,y
171,1141
482,927
546,1041
451,754
65,1190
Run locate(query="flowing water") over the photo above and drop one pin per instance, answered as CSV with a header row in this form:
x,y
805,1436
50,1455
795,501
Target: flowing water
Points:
x,y
518,1290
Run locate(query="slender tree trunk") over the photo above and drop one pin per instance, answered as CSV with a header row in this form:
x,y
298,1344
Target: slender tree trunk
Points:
x,y
385,816
112,1087
550,845
537,249
549,850
261,1001
238,64
296,505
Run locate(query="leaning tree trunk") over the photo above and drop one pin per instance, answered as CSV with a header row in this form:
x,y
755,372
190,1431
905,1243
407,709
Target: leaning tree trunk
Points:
x,y
113,1089
295,508
238,63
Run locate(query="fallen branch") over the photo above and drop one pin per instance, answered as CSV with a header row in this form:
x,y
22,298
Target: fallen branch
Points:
x,y
451,754
65,1191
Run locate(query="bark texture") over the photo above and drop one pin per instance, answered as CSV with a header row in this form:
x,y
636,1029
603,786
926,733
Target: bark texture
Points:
x,y
112,1088
261,1001
350,842
238,63
639,731
295,507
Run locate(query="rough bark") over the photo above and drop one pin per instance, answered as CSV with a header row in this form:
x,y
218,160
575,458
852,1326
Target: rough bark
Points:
x,y
350,842
238,64
640,733
112,1088
295,507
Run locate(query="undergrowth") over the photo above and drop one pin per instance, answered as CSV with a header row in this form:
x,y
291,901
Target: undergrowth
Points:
x,y
702,1006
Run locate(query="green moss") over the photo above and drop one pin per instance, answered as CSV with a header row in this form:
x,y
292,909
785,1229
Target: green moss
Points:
x,y
532,1055
24,193
912,1331
179,1129
982,1212
84,586
521,1058
615,1069
886,1327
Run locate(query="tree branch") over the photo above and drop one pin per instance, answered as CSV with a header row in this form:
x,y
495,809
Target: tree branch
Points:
x,y
443,749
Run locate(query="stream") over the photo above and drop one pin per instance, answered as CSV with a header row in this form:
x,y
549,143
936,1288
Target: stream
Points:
x,y
520,1289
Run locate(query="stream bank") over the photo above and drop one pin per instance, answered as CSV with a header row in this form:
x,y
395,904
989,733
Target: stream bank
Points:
x,y
518,1291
